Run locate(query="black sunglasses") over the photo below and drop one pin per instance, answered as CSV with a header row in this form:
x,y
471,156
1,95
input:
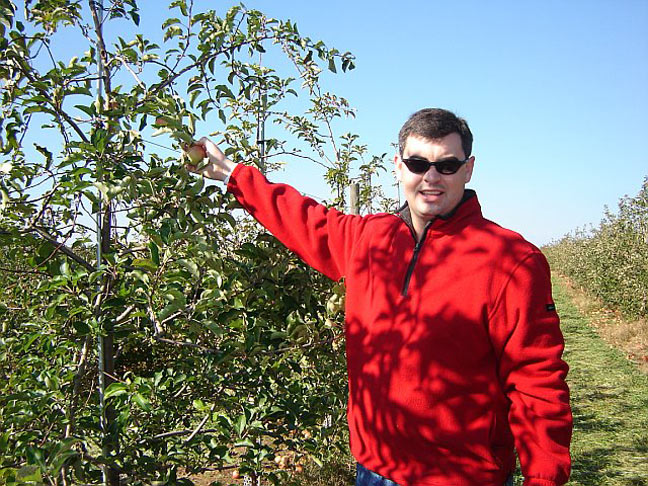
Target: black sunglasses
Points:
x,y
445,166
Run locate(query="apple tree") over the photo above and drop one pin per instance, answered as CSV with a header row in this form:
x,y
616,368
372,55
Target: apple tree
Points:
x,y
149,330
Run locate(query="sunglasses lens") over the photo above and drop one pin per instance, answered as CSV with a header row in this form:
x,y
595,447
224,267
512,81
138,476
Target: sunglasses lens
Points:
x,y
448,167
417,166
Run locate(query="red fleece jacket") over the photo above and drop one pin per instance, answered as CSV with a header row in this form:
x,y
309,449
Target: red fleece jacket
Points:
x,y
451,370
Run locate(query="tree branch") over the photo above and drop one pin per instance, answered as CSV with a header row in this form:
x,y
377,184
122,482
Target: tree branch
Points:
x,y
76,385
185,343
177,433
50,101
194,65
201,424
10,270
102,47
133,73
301,156
64,249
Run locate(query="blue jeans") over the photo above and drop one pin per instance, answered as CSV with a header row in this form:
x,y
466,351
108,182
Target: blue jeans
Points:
x,y
365,477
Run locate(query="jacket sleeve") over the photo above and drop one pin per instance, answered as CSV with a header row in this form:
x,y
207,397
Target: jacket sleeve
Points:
x,y
525,330
321,236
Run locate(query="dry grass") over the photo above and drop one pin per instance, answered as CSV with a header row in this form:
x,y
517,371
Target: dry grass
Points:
x,y
335,473
211,477
629,336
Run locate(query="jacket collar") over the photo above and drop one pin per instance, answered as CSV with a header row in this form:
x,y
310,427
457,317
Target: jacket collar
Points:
x,y
468,205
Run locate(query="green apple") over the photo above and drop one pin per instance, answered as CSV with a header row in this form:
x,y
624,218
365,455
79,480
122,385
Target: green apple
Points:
x,y
196,154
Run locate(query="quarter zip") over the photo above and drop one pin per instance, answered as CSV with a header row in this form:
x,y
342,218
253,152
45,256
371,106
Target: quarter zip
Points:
x,y
412,264
404,215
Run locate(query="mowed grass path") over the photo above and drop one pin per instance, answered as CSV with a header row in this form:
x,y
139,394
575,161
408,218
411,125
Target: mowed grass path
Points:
x,y
609,397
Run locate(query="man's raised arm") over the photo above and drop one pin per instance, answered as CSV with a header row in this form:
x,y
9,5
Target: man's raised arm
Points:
x,y
323,237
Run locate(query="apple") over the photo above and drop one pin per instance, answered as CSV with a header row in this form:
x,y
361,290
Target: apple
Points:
x,y
161,122
282,461
196,153
236,474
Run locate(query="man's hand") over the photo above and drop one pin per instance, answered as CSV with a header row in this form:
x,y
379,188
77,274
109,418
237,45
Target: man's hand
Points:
x,y
218,168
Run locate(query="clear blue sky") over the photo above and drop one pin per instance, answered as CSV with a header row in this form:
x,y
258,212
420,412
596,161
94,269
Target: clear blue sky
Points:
x,y
556,93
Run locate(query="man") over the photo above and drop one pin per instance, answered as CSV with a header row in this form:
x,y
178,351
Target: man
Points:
x,y
453,342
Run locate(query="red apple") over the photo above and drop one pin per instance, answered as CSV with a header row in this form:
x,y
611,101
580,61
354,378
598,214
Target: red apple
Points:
x,y
196,154
236,474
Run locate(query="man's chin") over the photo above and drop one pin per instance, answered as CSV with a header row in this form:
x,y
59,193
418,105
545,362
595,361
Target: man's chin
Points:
x,y
429,211
426,217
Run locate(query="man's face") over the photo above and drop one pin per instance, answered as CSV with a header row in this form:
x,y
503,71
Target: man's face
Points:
x,y
432,194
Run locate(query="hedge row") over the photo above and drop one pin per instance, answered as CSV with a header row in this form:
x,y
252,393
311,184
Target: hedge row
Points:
x,y
611,260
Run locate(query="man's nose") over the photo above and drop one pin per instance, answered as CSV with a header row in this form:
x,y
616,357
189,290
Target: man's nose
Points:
x,y
432,174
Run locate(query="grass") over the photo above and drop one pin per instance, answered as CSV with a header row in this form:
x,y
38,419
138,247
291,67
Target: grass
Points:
x,y
628,335
609,397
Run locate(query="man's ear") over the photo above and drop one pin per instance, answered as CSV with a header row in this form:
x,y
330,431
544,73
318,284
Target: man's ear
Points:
x,y
470,165
398,166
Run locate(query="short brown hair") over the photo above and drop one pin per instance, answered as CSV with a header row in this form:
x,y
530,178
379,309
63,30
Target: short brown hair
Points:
x,y
433,124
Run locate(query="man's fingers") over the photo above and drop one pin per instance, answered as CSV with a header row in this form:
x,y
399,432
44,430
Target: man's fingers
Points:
x,y
213,152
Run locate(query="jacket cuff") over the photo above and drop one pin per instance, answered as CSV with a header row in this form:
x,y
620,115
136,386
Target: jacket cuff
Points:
x,y
229,177
540,482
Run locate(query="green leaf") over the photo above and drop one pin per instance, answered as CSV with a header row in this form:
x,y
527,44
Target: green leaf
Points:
x,y
81,327
142,402
29,473
278,335
155,253
4,200
135,16
200,405
229,218
4,441
169,22
197,186
99,139
245,443
62,453
87,109
175,296
192,267
239,425
115,390
172,31
145,263
46,153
